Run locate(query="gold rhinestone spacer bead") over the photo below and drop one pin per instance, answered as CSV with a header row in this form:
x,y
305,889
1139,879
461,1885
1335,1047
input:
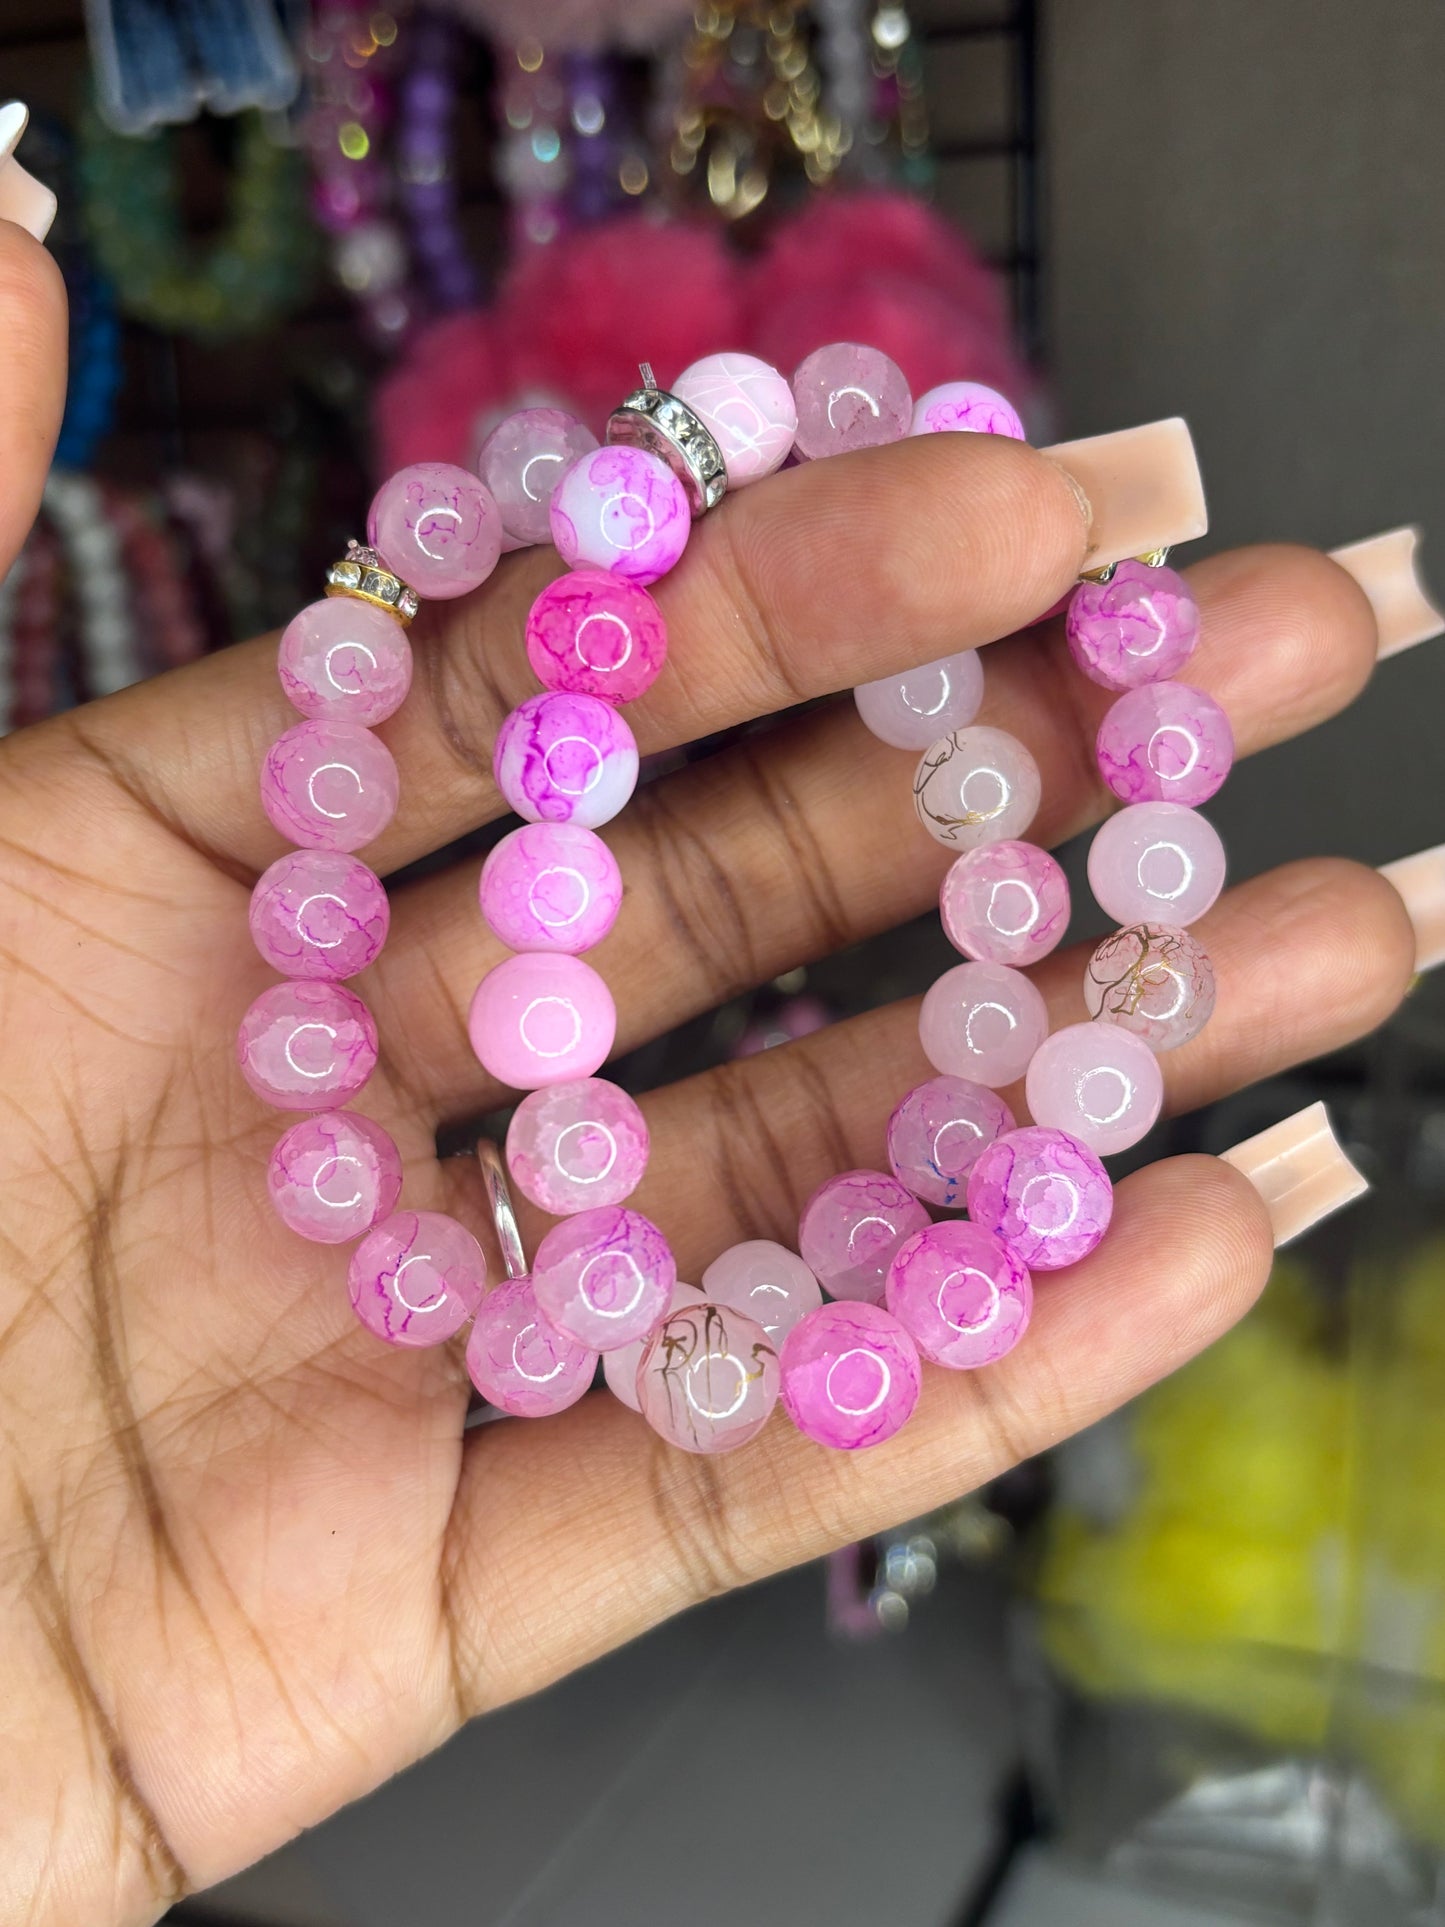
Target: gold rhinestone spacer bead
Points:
x,y
362,573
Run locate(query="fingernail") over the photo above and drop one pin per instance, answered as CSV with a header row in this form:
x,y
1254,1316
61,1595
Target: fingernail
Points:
x,y
1386,569
23,199
1300,1170
1142,486
1420,880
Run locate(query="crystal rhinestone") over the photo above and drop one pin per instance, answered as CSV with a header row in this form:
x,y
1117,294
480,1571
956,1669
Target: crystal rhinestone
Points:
x,y
374,583
345,575
407,603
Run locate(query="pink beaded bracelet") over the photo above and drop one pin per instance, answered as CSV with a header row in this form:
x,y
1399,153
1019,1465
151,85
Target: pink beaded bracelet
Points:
x,y
705,1367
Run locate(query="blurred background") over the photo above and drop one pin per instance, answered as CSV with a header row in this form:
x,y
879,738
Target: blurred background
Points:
x,y
1190,1670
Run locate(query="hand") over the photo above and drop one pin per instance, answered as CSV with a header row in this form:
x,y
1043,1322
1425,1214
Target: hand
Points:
x,y
249,1563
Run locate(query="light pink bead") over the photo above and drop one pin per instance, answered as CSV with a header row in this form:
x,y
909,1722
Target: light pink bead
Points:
x,y
319,913
913,710
604,1277
1138,628
346,661
849,397
416,1278
1153,979
595,634
551,886
566,759
767,1281
522,461
708,1378
621,509
332,1176
542,1019
574,1146
1044,1193
967,406
519,1362
306,1046
976,785
960,1294
850,1229
619,1368
1005,903
437,527
1165,743
1099,1083
1156,862
982,1021
937,1132
749,408
329,786
850,1376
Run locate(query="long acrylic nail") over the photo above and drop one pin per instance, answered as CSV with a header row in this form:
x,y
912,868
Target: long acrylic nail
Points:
x,y
1386,568
1300,1170
1420,879
22,198
1142,485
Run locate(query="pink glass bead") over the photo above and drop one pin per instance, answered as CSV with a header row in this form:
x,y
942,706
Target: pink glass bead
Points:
x,y
850,1229
1138,628
437,527
595,634
518,1361
1005,903
849,397
937,1132
621,509
749,408
329,786
551,886
542,1019
976,785
1165,743
982,1021
913,710
306,1046
1152,979
604,1277
619,1368
1099,1083
416,1278
850,1376
345,661
968,406
332,1176
708,1378
319,913
960,1294
522,461
1156,862
1045,1194
565,759
767,1281
575,1146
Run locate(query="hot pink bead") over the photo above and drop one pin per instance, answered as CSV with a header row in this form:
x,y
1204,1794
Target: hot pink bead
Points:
x,y
417,1278
542,1019
1165,743
1044,1193
1138,628
850,1376
1156,862
332,1176
437,527
982,1021
346,661
850,1229
1153,979
976,785
551,886
595,634
619,1368
1099,1083
1005,903
960,1294
518,1361
749,408
937,1132
522,461
565,759
913,710
329,786
319,913
621,509
604,1277
767,1281
306,1046
708,1378
574,1146
849,397
968,406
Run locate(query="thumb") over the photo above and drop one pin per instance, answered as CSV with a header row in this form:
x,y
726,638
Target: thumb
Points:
x,y
32,341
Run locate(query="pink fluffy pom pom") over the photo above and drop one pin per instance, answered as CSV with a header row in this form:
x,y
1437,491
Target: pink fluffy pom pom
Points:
x,y
427,408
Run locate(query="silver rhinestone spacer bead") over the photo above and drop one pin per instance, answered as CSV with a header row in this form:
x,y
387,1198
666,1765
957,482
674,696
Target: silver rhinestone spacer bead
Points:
x,y
653,419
